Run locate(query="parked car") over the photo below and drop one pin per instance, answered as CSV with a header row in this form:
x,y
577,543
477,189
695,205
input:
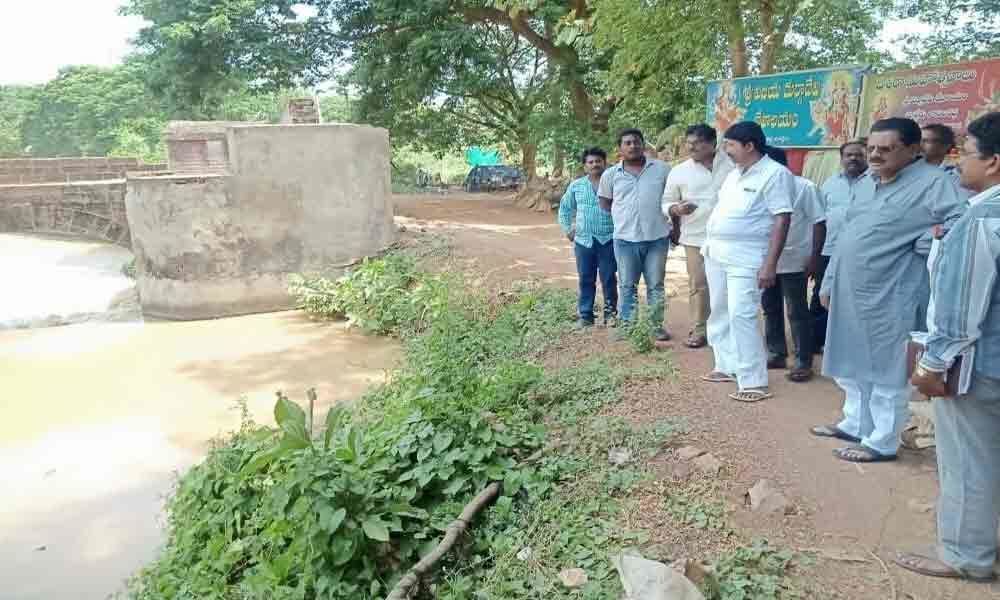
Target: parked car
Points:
x,y
493,177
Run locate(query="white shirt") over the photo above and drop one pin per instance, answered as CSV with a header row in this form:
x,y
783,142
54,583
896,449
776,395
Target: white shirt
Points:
x,y
739,228
807,211
691,182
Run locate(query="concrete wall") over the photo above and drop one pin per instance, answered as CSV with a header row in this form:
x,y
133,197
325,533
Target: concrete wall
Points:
x,y
51,170
294,198
91,210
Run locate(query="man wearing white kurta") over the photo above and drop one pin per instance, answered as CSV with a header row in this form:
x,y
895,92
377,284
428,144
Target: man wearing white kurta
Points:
x,y
745,237
692,192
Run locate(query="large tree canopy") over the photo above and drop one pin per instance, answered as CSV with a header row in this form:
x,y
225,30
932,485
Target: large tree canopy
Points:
x,y
384,35
81,110
197,51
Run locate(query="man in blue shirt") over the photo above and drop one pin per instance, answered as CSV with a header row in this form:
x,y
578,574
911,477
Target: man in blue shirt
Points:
x,y
590,229
632,191
966,325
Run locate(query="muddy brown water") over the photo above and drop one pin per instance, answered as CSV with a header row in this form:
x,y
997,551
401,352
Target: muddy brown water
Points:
x,y
98,419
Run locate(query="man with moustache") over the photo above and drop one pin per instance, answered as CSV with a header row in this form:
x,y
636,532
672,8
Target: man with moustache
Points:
x,y
838,195
590,229
966,321
691,193
873,289
631,191
746,234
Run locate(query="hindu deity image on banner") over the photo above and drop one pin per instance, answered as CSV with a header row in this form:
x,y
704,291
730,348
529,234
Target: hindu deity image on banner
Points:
x,y
952,94
805,109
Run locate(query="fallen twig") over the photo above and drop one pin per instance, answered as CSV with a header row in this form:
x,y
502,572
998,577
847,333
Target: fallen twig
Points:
x,y
888,575
832,555
455,529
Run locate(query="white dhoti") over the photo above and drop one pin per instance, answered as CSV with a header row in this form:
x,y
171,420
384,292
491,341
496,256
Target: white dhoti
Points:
x,y
734,324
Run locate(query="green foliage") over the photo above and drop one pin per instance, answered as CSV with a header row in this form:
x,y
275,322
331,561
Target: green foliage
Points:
x,y
641,328
756,572
963,30
16,103
697,505
384,296
281,513
89,111
197,52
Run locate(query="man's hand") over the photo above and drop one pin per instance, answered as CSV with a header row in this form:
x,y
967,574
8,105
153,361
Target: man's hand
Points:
x,y
683,209
766,277
571,236
930,383
938,231
824,300
812,267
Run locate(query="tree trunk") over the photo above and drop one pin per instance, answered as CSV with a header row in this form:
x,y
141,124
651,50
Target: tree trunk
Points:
x,y
529,153
736,35
774,32
558,162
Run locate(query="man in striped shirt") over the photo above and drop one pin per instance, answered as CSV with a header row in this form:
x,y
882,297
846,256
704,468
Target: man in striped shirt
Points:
x,y
966,322
590,229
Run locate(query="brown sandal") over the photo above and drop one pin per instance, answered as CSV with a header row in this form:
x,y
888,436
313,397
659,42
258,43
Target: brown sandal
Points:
x,y
696,341
932,567
751,395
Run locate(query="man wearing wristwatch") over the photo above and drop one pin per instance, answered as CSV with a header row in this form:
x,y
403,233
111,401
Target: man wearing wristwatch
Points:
x,y
966,321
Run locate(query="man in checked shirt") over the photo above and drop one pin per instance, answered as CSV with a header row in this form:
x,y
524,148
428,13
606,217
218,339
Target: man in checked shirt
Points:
x,y
591,229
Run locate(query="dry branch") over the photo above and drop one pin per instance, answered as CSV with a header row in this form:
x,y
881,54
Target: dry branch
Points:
x,y
457,527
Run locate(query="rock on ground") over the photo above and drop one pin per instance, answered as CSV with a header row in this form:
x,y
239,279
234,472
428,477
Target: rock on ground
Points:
x,y
650,580
764,496
573,578
708,464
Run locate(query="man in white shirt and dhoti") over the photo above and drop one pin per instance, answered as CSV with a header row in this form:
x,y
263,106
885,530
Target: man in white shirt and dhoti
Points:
x,y
745,237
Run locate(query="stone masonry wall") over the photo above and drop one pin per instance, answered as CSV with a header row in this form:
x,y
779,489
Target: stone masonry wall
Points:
x,y
63,170
92,210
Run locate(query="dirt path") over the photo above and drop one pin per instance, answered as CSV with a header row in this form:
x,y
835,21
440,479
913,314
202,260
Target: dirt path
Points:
x,y
840,507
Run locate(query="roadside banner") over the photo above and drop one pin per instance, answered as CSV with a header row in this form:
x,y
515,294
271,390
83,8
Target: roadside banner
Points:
x,y
804,109
949,94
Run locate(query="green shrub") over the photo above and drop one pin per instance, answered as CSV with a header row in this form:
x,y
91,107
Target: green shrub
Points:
x,y
385,296
281,513
756,572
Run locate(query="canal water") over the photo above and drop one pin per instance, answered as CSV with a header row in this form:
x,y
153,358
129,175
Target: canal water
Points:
x,y
99,417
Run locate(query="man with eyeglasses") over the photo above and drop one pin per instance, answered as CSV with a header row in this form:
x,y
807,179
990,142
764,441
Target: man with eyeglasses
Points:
x,y
966,321
875,285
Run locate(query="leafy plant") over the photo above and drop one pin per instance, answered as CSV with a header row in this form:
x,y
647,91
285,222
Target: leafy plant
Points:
x,y
696,505
385,296
640,328
755,572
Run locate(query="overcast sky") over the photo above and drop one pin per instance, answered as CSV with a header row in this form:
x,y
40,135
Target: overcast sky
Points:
x,y
37,37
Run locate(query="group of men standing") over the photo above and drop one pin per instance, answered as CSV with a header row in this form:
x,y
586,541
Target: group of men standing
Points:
x,y
893,244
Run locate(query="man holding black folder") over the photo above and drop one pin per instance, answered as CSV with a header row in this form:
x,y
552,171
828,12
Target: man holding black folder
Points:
x,y
966,328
